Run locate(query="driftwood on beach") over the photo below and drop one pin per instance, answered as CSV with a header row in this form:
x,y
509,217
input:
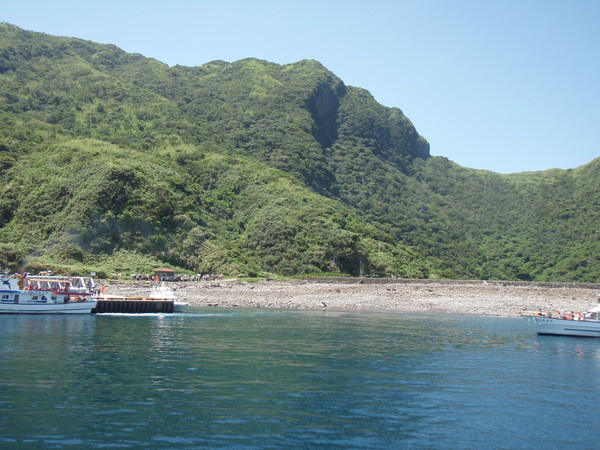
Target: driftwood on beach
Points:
x,y
495,298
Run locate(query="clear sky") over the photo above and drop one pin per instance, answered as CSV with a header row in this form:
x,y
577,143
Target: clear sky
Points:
x,y
502,85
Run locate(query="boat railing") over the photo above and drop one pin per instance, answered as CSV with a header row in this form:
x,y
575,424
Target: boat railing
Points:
x,y
76,284
577,316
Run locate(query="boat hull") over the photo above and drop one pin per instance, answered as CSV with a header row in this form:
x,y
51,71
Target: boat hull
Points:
x,y
47,308
163,292
562,327
179,306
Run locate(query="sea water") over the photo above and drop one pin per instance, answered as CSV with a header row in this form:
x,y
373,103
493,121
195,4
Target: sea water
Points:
x,y
229,378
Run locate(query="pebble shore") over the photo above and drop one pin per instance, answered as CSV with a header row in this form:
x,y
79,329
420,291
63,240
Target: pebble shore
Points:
x,y
404,296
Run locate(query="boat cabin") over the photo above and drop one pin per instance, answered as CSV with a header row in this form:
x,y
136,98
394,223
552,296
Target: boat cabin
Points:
x,y
593,314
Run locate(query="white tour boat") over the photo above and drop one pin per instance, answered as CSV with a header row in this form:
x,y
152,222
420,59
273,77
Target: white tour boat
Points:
x,y
164,292
566,324
46,295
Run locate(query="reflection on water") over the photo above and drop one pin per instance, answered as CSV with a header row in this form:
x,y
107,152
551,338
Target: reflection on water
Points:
x,y
251,378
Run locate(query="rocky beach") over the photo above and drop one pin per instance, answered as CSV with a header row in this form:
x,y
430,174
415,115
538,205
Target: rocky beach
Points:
x,y
491,298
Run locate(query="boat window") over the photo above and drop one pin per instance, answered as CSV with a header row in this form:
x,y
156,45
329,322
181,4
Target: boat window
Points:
x,y
5,297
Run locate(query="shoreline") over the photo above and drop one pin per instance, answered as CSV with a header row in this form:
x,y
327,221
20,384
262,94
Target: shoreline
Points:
x,y
487,298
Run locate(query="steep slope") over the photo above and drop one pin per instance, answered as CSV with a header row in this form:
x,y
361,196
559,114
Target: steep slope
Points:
x,y
288,116
562,211
81,205
95,91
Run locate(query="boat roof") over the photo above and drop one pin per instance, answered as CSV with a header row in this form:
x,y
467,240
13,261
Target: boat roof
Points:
x,y
48,280
76,282
55,278
595,309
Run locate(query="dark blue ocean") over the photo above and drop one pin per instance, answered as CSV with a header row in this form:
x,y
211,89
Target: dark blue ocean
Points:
x,y
225,378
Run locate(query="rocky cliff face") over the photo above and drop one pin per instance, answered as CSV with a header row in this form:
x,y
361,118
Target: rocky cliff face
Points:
x,y
324,107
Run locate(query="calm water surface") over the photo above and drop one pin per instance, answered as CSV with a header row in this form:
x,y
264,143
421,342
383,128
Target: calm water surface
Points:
x,y
273,379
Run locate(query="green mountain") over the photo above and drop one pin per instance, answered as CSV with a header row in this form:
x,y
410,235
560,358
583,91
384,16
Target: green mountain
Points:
x,y
114,162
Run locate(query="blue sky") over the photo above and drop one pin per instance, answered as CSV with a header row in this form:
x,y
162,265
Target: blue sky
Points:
x,y
502,85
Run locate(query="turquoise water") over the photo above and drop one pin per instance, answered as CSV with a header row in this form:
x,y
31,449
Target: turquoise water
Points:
x,y
224,378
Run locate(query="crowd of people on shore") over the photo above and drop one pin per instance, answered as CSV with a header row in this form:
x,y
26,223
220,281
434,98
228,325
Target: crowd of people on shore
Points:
x,y
196,277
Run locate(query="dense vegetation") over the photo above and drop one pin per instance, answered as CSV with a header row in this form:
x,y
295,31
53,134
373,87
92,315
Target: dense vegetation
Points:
x,y
114,162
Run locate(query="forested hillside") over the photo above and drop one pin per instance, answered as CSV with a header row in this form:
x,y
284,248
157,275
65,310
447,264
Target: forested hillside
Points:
x,y
114,162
